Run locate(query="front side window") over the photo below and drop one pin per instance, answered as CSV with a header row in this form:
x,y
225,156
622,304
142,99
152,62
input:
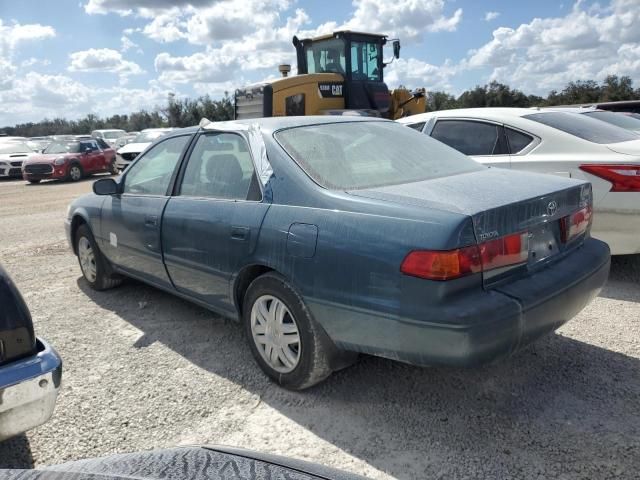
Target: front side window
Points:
x,y
151,174
583,127
470,137
220,166
358,155
365,58
326,56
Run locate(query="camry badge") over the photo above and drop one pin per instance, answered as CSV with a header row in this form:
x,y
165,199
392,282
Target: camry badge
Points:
x,y
552,208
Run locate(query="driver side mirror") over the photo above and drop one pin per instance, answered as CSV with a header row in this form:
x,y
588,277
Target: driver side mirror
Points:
x,y
105,186
396,49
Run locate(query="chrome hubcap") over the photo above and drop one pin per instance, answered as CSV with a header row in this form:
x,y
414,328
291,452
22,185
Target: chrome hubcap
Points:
x,y
275,333
87,259
75,173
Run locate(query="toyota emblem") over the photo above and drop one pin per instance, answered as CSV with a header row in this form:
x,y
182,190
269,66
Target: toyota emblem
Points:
x,y
552,208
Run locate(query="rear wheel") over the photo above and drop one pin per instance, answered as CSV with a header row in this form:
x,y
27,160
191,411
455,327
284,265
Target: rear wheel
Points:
x,y
113,168
75,172
287,343
93,265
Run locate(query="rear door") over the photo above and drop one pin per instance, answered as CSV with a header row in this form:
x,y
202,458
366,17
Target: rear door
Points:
x,y
484,141
211,225
131,220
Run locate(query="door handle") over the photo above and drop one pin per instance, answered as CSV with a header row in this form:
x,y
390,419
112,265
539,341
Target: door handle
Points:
x,y
239,233
151,221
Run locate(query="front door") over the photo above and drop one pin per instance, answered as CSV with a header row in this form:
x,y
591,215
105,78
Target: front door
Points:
x,y
131,220
212,224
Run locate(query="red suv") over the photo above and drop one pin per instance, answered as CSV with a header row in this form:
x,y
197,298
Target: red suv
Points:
x,y
70,161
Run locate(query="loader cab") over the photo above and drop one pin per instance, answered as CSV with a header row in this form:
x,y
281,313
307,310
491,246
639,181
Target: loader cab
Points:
x,y
358,58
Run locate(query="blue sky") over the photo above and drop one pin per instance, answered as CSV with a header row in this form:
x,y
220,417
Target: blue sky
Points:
x,y
70,58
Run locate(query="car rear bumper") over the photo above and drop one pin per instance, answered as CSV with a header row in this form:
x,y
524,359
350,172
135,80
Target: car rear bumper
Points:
x,y
28,390
487,326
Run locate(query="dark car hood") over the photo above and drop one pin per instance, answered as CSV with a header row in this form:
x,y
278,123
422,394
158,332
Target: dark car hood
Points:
x,y
500,201
185,463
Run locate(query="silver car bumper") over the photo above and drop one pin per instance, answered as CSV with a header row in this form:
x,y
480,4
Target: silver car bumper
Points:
x,y
28,391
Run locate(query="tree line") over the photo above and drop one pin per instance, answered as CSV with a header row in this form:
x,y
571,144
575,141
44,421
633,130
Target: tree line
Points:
x,y
183,112
495,94
177,112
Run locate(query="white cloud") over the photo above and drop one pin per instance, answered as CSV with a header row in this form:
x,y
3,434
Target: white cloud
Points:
x,y
414,73
32,61
12,36
547,53
489,16
37,96
103,60
127,44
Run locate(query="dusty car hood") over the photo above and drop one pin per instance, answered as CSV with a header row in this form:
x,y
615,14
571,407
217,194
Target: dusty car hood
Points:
x,y
193,463
134,147
626,148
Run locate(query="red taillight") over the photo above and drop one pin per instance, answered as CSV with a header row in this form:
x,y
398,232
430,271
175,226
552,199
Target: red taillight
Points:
x,y
623,178
575,224
450,264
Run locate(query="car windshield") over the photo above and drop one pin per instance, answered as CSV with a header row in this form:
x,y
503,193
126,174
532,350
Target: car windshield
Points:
x,y
357,155
114,134
618,119
63,147
15,147
583,127
146,137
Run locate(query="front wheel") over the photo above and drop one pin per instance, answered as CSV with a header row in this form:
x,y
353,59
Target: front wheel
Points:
x,y
75,172
93,265
285,341
113,168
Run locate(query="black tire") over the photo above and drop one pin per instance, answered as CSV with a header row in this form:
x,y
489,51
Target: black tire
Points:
x,y
318,354
71,176
33,182
104,276
113,168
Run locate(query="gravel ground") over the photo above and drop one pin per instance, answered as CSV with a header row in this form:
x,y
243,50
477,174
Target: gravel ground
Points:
x,y
146,370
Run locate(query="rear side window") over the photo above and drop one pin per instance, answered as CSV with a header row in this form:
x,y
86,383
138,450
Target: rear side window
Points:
x,y
518,141
471,137
220,166
416,126
583,127
614,118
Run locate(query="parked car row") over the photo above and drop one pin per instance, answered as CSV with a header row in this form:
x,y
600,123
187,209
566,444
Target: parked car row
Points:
x,y
584,145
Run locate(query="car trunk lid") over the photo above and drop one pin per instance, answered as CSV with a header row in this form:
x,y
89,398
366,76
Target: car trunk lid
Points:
x,y
501,203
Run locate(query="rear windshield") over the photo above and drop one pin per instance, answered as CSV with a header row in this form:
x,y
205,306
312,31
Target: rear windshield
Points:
x,y
619,119
146,137
583,127
113,134
347,156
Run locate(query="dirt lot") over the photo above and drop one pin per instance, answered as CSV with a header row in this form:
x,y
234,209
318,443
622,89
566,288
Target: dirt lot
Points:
x,y
146,370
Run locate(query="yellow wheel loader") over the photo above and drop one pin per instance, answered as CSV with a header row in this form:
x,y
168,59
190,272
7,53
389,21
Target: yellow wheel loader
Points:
x,y
338,74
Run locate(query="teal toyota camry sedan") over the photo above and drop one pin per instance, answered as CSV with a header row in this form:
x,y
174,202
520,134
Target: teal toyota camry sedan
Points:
x,y
333,236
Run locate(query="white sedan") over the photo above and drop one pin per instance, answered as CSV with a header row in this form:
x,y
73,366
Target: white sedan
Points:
x,y
557,143
12,155
127,154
